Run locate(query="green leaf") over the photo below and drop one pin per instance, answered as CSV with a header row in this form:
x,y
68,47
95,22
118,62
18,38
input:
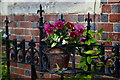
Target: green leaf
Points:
x,y
82,59
94,57
119,39
88,42
99,34
108,40
85,68
89,77
90,52
81,64
92,40
91,32
97,52
101,30
58,67
100,64
89,60
53,44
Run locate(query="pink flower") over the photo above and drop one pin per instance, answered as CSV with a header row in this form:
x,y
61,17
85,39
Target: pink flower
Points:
x,y
79,29
83,38
59,24
48,28
73,35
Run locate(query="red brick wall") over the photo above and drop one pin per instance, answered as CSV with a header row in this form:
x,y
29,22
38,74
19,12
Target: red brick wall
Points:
x,y
25,27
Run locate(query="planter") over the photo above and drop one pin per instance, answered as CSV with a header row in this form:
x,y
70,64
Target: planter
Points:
x,y
58,57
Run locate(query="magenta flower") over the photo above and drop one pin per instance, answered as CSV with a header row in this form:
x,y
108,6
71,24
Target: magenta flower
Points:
x,y
48,28
79,29
83,38
59,24
73,35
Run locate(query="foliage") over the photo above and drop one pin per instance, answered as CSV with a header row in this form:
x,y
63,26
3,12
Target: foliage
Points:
x,y
68,33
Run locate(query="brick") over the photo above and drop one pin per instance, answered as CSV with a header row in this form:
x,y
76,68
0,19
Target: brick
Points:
x,y
13,36
10,17
19,17
19,31
95,17
25,17
19,65
114,18
104,18
13,64
106,9
20,77
11,30
109,44
27,32
93,26
34,24
114,36
113,1
18,37
115,8
104,36
50,17
33,17
71,17
81,18
26,24
18,24
12,24
26,66
27,38
12,69
47,75
37,39
35,32
77,59
117,27
27,72
1,24
13,76
19,71
106,26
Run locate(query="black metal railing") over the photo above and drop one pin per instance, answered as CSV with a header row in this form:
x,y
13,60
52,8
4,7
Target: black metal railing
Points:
x,y
41,58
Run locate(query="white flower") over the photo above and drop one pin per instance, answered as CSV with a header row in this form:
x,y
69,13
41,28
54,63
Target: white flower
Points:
x,y
4,35
1,30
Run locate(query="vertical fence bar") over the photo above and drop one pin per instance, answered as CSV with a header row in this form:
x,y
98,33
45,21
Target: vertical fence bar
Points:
x,y
7,48
15,50
87,37
41,36
23,50
103,58
117,63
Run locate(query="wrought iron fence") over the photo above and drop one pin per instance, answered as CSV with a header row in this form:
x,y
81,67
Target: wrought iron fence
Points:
x,y
19,52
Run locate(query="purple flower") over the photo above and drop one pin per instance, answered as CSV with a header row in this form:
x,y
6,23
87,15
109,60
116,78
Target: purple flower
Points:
x,y
79,29
48,28
59,24
73,35
4,35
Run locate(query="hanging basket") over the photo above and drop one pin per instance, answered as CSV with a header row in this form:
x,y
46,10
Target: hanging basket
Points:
x,y
58,58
